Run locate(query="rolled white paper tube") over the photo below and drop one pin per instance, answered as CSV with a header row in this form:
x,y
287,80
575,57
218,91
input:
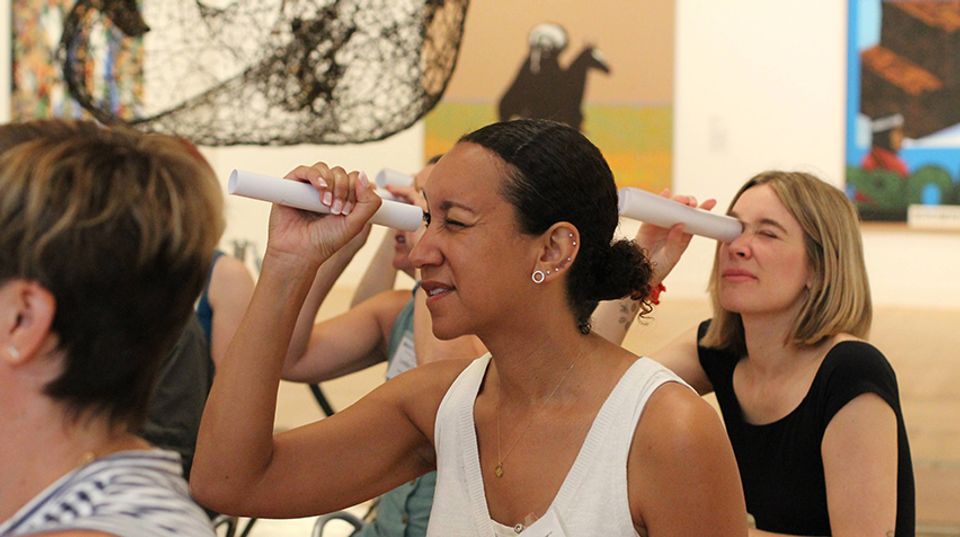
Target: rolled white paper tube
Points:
x,y
645,206
387,176
385,194
304,196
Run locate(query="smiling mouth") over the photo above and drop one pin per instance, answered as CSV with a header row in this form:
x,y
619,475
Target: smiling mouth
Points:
x,y
435,291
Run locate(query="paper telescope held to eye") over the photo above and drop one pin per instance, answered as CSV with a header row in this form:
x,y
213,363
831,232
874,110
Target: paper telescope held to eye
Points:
x,y
387,176
645,206
304,196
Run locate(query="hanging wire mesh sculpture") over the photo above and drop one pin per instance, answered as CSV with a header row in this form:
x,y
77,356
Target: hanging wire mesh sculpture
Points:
x,y
274,72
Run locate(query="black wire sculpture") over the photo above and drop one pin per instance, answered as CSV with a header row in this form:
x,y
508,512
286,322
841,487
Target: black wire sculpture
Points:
x,y
274,72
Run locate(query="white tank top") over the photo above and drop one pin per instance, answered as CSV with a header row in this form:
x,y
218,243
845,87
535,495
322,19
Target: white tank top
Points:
x,y
593,497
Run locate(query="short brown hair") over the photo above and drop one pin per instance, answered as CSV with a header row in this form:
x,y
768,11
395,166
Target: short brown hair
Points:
x,y
120,227
839,296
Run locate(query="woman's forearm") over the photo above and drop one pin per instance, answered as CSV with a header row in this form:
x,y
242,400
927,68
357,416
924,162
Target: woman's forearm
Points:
x,y
380,275
235,441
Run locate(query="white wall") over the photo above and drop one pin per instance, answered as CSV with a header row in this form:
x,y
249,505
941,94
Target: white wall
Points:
x,y
761,84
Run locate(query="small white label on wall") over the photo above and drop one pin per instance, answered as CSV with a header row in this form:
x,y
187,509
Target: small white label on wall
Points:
x,y
934,217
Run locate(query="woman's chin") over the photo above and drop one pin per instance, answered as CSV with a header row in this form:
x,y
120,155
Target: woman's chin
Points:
x,y
447,331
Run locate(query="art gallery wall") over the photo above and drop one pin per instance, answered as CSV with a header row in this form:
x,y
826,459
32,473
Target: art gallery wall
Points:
x,y
247,219
762,85
759,85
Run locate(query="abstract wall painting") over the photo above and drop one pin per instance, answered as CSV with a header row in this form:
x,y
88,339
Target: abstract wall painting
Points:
x,y
903,121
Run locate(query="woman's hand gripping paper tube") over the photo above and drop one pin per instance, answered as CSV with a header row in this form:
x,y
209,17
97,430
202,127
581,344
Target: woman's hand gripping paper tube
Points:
x,y
300,195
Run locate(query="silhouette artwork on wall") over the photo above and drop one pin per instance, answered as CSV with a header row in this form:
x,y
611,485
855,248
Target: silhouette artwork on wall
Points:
x,y
544,89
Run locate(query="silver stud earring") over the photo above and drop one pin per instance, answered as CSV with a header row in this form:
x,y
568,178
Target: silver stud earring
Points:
x,y
13,352
538,276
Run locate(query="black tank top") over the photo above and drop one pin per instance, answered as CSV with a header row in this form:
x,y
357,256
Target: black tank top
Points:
x,y
780,463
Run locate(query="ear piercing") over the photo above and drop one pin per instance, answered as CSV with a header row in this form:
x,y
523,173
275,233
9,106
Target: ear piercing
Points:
x,y
13,352
539,276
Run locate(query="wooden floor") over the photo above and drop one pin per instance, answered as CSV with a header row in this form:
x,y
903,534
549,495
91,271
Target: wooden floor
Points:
x,y
922,345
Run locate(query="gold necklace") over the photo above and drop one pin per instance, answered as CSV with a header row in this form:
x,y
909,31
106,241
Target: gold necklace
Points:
x,y
498,471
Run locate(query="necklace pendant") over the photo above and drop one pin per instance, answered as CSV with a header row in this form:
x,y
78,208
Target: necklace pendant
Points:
x,y
499,470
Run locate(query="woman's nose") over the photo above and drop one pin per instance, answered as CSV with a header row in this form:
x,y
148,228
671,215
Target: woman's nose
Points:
x,y
740,246
424,251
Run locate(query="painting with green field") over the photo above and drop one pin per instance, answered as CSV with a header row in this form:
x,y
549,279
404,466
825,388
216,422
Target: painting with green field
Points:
x,y
567,61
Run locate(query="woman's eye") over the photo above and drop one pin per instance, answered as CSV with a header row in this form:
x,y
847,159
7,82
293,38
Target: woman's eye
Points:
x,y
455,223
426,219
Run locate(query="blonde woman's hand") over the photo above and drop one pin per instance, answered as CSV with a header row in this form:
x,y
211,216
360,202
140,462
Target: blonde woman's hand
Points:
x,y
665,246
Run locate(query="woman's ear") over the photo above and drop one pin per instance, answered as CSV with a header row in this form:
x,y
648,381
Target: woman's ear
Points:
x,y
559,248
26,317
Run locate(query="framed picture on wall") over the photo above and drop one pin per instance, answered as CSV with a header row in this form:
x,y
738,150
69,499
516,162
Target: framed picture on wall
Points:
x,y
113,63
903,121
605,67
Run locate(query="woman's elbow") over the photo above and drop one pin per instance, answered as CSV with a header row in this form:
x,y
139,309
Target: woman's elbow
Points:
x,y
216,494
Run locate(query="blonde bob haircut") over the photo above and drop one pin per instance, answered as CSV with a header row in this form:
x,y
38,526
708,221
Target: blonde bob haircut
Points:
x,y
838,300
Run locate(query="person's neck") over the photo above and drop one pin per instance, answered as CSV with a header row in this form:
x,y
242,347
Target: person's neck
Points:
x,y
769,350
42,445
531,358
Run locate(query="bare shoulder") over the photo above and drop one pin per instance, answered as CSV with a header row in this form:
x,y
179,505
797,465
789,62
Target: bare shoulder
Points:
x,y
421,389
682,473
681,355
231,275
231,267
676,423
385,306
433,378
391,299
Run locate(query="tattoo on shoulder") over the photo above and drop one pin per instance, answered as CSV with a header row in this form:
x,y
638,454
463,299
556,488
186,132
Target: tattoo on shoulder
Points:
x,y
628,311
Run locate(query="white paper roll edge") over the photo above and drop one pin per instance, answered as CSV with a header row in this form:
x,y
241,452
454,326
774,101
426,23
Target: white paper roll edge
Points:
x,y
385,194
303,196
645,206
387,176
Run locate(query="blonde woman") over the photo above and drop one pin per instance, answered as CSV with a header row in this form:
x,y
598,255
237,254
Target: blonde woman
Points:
x,y
811,408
